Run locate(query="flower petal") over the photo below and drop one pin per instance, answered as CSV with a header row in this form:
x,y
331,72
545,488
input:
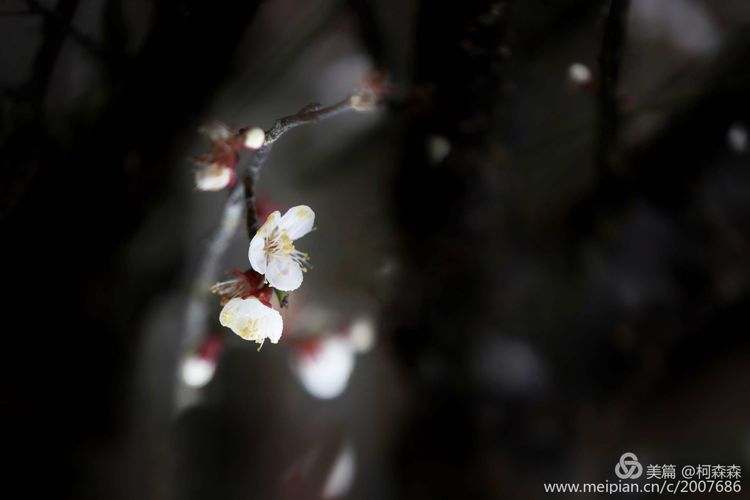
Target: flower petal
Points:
x,y
297,221
252,320
213,178
283,273
257,253
273,325
272,222
230,313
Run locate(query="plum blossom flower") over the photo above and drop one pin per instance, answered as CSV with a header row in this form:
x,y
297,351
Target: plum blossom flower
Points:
x,y
252,320
272,250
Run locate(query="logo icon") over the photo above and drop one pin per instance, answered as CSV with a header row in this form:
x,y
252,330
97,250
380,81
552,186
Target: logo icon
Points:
x,y
628,467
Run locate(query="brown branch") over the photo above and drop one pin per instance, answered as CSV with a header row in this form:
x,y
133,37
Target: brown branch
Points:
x,y
309,114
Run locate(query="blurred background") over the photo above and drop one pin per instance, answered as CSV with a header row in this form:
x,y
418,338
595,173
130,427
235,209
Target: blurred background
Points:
x,y
532,258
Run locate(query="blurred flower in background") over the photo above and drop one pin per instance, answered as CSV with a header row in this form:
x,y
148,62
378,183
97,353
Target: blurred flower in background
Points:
x,y
199,367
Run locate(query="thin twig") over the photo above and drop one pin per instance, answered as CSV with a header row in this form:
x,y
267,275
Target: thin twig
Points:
x,y
309,114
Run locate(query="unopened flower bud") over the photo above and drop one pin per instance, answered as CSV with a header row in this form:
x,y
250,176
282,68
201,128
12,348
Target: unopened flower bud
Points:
x,y
199,367
213,177
197,371
364,101
254,138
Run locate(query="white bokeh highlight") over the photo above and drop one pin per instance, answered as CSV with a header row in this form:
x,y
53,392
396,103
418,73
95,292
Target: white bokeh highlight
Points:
x,y
324,372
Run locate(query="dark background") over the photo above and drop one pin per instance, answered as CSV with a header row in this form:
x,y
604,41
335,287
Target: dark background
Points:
x,y
558,271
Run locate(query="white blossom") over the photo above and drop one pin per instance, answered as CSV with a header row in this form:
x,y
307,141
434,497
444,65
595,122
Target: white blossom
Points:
x,y
252,320
272,250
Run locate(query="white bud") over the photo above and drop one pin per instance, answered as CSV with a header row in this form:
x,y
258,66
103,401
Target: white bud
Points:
x,y
213,177
254,138
365,101
197,371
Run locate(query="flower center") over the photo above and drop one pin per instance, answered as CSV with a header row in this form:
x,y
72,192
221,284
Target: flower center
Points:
x,y
279,244
250,330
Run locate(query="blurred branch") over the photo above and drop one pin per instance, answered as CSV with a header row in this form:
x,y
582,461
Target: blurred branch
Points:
x,y
610,59
56,27
114,32
460,54
60,19
607,188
